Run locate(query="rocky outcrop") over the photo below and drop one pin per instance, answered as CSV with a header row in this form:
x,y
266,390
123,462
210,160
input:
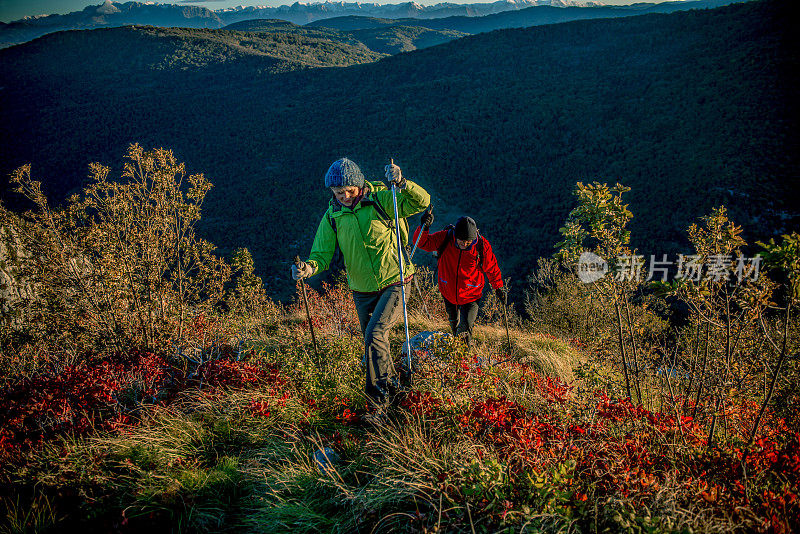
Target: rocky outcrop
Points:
x,y
13,286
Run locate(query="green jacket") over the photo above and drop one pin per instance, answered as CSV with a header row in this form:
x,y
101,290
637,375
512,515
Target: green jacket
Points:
x,y
367,240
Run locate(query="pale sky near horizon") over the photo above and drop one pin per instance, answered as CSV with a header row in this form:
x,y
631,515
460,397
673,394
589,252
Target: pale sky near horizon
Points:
x,y
16,9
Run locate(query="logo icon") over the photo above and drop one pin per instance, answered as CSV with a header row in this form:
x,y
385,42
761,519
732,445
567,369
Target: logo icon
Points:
x,y
591,267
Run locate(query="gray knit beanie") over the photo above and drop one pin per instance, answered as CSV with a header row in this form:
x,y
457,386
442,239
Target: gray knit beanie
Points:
x,y
466,229
344,173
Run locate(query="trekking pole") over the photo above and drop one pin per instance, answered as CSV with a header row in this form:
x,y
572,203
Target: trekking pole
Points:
x,y
297,262
505,311
402,279
413,250
410,257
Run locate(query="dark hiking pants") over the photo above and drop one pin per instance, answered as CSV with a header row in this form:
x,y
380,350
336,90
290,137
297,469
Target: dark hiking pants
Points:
x,y
378,312
462,318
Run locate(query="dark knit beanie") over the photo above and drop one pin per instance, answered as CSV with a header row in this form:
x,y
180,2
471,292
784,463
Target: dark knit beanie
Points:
x,y
466,229
344,173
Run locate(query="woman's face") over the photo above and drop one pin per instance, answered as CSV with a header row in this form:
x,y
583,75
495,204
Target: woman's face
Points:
x,y
345,195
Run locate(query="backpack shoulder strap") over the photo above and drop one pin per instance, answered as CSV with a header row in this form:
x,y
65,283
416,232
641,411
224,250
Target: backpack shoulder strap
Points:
x,y
449,228
337,260
331,221
381,212
382,215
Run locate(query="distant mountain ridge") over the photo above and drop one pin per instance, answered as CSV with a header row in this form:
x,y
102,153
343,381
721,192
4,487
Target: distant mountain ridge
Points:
x,y
522,18
300,13
111,14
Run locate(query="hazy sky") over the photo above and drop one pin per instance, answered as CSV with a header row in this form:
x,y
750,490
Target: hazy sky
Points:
x,y
16,9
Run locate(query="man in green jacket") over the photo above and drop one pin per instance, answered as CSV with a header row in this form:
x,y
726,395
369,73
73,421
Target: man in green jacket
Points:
x,y
360,220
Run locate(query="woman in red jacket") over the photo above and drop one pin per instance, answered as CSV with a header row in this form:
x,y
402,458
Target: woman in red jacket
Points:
x,y
464,257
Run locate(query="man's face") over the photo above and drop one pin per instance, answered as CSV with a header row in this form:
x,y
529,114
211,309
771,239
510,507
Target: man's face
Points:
x,y
345,195
463,244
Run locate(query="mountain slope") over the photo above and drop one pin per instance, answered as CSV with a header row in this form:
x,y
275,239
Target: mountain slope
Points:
x,y
113,14
398,38
387,39
691,109
356,22
152,52
263,26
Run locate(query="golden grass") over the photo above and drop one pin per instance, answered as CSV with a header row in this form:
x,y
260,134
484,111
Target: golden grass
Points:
x,y
548,355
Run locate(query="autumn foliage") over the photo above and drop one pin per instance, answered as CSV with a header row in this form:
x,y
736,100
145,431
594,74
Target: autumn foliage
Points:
x,y
145,387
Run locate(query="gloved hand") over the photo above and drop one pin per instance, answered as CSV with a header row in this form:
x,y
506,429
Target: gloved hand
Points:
x,y
395,176
427,218
501,295
302,270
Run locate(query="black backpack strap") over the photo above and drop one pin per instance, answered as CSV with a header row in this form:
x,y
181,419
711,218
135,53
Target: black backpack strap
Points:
x,y
388,221
337,261
331,221
450,229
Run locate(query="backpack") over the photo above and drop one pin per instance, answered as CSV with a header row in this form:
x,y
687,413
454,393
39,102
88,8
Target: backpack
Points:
x,y
446,241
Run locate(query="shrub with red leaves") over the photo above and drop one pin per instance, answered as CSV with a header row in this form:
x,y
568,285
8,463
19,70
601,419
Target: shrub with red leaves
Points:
x,y
348,417
264,408
628,452
238,374
98,395
552,389
507,426
78,399
260,408
421,403
332,311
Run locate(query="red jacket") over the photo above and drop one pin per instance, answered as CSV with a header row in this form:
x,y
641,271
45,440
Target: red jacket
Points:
x,y
460,279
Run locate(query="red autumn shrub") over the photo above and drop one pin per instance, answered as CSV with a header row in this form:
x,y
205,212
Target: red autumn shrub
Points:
x,y
421,403
348,417
78,399
238,374
629,453
100,395
264,408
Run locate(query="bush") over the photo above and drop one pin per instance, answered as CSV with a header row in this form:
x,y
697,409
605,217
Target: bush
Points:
x,y
556,302
119,266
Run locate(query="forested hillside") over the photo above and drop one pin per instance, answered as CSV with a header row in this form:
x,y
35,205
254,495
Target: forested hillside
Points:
x,y
383,38
690,109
